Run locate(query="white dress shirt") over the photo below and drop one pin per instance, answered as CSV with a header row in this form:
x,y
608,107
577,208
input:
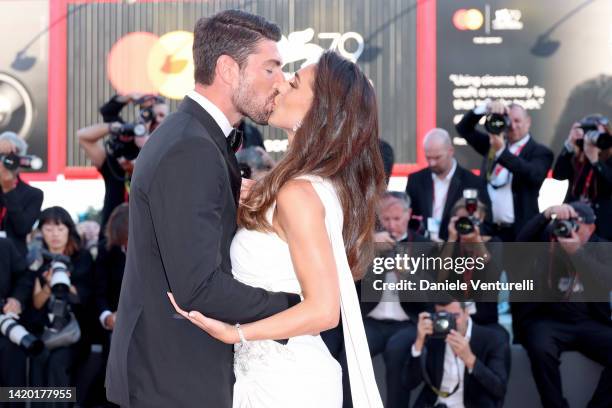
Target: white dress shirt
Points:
x,y
453,367
440,195
389,307
213,111
502,202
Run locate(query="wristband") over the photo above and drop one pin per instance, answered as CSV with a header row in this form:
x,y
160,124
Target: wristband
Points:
x,y
243,340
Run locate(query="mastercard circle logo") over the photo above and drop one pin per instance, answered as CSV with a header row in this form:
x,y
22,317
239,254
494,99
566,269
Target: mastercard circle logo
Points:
x,y
145,63
468,19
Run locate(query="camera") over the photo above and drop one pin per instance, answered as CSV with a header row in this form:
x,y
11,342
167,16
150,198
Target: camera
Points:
x,y
443,323
467,225
59,305
17,334
497,123
245,170
13,162
121,142
563,228
590,127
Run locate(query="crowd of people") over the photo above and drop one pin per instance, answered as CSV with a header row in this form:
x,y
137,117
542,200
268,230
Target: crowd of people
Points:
x,y
64,291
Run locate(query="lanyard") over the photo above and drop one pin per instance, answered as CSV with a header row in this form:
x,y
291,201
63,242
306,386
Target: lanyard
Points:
x,y
2,215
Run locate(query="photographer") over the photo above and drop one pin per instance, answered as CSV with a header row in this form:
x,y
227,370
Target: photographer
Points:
x,y
514,164
115,159
390,323
19,202
465,238
52,303
588,168
254,162
15,293
434,190
461,362
109,266
577,269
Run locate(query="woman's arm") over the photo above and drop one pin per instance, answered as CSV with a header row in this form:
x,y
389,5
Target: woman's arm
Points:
x,y
301,223
41,294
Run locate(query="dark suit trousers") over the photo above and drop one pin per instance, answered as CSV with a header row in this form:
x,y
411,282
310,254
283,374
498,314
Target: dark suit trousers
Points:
x,y
545,342
393,339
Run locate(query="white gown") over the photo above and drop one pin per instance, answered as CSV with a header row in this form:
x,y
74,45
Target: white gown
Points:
x,y
301,373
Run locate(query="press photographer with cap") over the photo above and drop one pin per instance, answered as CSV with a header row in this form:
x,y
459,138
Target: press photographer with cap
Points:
x,y
586,162
19,202
578,272
461,363
514,165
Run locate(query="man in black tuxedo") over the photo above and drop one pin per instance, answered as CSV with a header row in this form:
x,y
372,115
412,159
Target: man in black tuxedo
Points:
x,y
184,195
465,369
434,190
513,169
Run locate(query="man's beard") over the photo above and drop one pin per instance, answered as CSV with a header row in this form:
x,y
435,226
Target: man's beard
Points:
x,y
248,104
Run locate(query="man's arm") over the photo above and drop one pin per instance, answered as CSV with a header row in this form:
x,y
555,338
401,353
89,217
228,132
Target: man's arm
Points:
x,y
21,279
186,201
532,171
111,110
604,169
90,139
475,138
491,373
563,169
532,230
23,210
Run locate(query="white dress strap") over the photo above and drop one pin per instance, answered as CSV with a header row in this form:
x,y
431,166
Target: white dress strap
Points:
x,y
361,373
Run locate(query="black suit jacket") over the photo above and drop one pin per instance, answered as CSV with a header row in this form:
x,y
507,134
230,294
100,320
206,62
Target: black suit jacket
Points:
x,y
14,277
420,190
529,169
485,387
182,221
23,208
109,267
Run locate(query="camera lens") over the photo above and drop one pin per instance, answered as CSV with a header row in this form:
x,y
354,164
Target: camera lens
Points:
x,y
496,123
464,226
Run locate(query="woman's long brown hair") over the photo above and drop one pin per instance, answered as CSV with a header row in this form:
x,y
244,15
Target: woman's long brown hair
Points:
x,y
338,140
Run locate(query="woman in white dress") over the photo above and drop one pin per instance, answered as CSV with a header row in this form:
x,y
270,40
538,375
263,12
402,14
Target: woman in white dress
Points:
x,y
307,228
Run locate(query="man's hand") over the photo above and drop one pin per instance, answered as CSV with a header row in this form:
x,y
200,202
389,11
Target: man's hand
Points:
x,y
424,329
497,107
498,143
575,133
461,347
384,240
8,179
453,236
245,189
12,306
562,212
571,244
109,322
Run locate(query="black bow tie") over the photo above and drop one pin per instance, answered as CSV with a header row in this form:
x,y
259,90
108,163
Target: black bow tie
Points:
x,y
234,140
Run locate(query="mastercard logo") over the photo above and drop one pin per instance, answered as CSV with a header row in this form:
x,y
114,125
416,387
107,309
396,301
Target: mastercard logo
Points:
x,y
468,19
145,63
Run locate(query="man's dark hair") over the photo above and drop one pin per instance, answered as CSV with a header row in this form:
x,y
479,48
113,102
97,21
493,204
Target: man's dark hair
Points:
x,y
232,32
447,300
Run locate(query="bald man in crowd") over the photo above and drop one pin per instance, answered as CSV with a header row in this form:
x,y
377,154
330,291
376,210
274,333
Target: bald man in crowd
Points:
x,y
434,190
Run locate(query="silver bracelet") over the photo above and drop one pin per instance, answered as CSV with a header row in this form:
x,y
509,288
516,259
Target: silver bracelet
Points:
x,y
243,340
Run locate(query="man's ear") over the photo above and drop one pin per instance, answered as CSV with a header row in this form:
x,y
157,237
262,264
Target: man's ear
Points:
x,y
228,70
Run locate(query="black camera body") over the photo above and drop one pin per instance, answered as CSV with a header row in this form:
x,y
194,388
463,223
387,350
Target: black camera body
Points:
x,y
59,303
497,123
467,225
590,127
443,323
17,334
13,161
121,141
563,228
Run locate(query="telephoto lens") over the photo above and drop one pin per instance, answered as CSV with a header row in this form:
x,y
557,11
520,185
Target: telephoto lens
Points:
x,y
496,123
17,334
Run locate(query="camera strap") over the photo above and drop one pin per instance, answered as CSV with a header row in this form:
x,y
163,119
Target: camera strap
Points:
x,y
437,391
